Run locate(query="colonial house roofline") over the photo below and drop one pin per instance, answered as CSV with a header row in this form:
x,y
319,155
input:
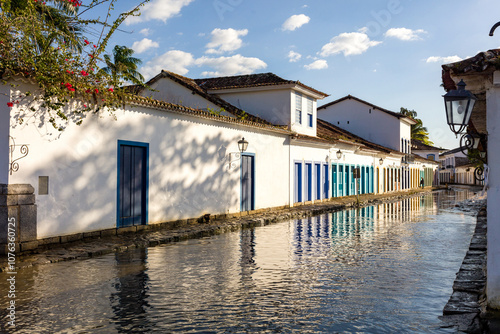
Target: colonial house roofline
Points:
x,y
334,133
418,145
453,151
252,82
136,100
350,97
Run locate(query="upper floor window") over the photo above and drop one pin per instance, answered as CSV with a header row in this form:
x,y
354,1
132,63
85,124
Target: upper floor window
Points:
x,y
310,112
298,108
431,156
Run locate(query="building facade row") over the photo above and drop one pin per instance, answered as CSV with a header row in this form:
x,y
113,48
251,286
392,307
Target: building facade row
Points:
x,y
172,153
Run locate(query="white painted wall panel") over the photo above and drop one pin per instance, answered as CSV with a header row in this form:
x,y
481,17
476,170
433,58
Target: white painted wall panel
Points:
x,y
188,168
375,126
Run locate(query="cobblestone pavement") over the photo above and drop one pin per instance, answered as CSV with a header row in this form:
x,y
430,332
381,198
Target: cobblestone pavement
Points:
x,y
188,229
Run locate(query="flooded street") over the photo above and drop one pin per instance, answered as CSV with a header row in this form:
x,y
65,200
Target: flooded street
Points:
x,y
381,269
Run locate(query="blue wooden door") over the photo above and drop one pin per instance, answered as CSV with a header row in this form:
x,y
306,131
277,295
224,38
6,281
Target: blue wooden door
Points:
x,y
132,185
340,180
317,190
308,182
298,182
247,183
326,182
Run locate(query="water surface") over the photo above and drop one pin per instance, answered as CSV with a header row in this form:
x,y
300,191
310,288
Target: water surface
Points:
x,y
381,269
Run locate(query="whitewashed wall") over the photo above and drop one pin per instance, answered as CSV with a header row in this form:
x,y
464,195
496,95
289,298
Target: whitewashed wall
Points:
x,y
371,126
188,174
170,91
493,127
273,105
5,97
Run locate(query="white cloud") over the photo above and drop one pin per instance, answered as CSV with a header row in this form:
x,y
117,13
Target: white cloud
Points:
x,y
349,43
319,64
158,10
233,65
143,45
225,40
175,60
145,31
294,56
405,34
295,21
444,60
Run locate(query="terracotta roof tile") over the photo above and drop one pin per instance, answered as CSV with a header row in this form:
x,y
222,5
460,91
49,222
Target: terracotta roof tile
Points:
x,y
418,145
249,80
193,86
161,105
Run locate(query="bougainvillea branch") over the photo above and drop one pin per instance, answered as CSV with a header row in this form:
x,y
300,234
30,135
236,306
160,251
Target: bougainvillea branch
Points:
x,y
45,42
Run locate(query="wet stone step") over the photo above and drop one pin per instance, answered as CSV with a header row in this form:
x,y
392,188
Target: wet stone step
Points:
x,y
471,275
457,308
469,286
475,260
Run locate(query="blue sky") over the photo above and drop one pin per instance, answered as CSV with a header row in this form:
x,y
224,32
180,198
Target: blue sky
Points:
x,y
387,52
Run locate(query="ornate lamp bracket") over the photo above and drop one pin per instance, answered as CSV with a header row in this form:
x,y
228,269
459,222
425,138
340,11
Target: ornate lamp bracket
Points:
x,y
23,150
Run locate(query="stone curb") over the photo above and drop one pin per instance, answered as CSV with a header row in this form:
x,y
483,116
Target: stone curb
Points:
x,y
464,308
91,244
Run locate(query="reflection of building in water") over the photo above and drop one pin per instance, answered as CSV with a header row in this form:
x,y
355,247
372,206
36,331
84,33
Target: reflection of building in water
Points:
x,y
130,299
360,222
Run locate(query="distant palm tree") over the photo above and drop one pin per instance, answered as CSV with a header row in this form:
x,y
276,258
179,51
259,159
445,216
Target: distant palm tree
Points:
x,y
123,67
418,131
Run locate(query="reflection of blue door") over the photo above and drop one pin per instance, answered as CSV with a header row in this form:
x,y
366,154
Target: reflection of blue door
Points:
x,y
132,183
298,182
247,183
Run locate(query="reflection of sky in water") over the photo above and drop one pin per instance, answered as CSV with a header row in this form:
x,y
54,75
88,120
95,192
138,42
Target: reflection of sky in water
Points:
x,y
387,268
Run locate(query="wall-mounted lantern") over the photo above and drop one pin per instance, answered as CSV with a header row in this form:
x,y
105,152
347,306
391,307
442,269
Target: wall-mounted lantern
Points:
x,y
381,161
458,105
242,145
339,154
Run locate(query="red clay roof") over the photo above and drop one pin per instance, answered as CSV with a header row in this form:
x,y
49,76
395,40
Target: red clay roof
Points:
x,y
487,61
418,145
249,80
191,84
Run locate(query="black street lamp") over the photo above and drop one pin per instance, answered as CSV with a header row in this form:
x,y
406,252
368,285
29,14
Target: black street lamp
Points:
x,y
381,161
242,145
459,104
339,154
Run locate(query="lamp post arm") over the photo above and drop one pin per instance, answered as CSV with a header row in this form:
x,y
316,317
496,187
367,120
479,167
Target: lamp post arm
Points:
x,y
493,28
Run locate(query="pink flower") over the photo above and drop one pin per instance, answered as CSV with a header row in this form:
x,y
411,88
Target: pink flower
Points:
x,y
87,42
96,90
10,104
84,73
110,89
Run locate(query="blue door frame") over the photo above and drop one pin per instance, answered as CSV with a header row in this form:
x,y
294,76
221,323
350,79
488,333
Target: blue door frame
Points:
x,y
308,181
326,182
297,197
317,179
247,182
132,183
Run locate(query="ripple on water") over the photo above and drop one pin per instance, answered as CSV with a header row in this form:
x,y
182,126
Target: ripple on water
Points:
x,y
383,269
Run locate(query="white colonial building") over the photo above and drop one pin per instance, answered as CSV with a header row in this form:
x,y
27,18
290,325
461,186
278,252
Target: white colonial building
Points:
x,y
172,154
